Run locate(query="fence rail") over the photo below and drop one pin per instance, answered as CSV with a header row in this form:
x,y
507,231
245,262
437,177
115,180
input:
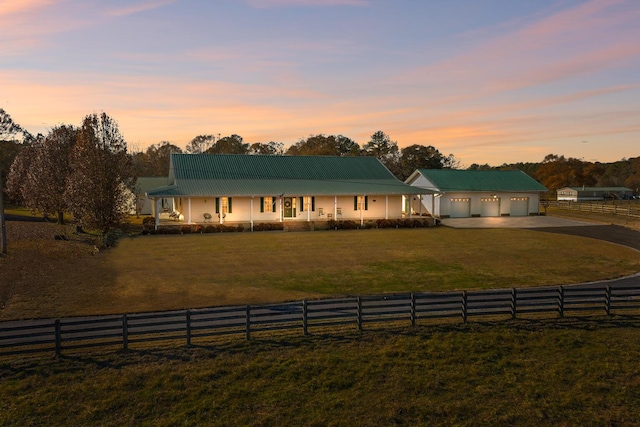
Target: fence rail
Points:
x,y
121,331
625,208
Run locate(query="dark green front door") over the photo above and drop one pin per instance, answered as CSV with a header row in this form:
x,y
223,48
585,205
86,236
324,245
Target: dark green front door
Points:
x,y
289,207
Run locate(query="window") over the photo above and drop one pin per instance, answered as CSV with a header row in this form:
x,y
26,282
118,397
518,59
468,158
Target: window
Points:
x,y
224,203
267,204
360,203
307,203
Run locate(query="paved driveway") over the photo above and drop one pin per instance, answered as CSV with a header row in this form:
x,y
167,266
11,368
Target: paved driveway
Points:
x,y
610,233
513,222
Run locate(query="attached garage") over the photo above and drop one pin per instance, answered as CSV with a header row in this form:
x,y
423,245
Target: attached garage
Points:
x,y
475,193
460,208
519,206
490,206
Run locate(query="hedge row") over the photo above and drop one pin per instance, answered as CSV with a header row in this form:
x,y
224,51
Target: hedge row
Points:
x,y
381,223
217,228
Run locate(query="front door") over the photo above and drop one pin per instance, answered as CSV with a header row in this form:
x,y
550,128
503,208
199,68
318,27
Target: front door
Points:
x,y
289,207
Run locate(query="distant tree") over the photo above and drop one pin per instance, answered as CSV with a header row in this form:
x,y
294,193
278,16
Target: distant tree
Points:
x,y
347,147
102,179
8,128
271,148
477,167
633,180
18,177
155,160
41,171
556,172
381,146
229,145
200,144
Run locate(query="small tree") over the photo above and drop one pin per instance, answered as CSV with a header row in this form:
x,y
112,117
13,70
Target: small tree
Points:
x,y
100,185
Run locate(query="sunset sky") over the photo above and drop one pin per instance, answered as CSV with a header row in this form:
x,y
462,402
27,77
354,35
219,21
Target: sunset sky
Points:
x,y
490,81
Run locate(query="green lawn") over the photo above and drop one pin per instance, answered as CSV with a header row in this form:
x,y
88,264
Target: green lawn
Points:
x,y
569,372
188,271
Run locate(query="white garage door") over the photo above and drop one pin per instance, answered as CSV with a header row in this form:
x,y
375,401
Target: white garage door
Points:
x,y
460,208
490,206
519,206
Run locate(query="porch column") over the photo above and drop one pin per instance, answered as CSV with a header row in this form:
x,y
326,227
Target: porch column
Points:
x,y
410,206
308,208
156,213
362,211
189,209
386,206
251,212
420,201
335,208
281,211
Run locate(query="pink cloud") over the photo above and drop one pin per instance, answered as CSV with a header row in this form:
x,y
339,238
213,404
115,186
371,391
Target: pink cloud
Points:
x,y
141,7
263,4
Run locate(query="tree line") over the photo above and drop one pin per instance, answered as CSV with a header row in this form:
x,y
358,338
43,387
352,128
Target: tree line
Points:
x,y
557,171
89,172
401,162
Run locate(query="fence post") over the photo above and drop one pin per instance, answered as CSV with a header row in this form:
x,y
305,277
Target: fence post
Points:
x,y
248,327
514,303
359,313
188,327
464,306
304,317
125,333
607,298
561,301
413,310
58,337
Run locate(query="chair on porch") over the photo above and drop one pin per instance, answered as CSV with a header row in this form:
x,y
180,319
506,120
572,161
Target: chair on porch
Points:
x,y
320,212
338,212
207,217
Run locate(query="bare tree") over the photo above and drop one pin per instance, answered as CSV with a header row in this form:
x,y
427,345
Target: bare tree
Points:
x,y
102,180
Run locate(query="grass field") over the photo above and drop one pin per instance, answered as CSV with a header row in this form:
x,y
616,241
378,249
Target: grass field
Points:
x,y
569,372
43,277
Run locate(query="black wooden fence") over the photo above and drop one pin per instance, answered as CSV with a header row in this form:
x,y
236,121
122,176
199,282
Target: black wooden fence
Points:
x,y
187,326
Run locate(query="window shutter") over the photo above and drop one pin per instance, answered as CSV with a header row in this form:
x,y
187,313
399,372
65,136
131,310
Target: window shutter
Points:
x,y
217,204
301,204
261,204
366,203
229,204
355,203
313,203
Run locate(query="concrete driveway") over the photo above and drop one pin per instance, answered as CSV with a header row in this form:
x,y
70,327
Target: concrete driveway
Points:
x,y
513,222
610,233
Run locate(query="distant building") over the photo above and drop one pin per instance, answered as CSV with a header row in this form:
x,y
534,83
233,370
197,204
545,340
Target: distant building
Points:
x,y
585,194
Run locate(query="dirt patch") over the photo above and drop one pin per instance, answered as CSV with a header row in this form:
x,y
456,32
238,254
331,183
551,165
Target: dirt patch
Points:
x,y
45,258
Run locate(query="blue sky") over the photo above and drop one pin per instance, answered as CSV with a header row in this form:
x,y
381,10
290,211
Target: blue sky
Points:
x,y
490,81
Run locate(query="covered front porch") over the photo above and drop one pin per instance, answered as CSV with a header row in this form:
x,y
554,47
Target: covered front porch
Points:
x,y
284,209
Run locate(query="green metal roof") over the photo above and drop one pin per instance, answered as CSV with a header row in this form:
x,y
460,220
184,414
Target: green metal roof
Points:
x,y
202,175
599,189
492,180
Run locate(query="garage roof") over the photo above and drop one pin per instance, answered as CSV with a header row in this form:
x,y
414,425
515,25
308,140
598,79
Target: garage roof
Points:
x,y
465,180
